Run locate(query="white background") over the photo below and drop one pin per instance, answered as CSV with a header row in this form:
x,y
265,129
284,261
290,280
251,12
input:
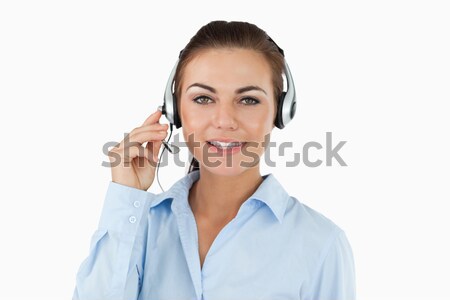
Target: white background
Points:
x,y
75,75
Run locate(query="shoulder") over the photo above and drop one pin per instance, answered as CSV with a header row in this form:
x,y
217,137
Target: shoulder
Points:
x,y
330,265
316,237
295,217
311,231
303,217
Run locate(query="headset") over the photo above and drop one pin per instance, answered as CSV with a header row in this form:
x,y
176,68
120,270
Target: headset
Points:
x,y
287,104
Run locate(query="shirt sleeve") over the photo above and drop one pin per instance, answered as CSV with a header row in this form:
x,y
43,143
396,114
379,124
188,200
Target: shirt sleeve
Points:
x,y
114,267
335,277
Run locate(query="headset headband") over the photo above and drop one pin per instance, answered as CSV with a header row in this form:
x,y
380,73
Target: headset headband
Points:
x,y
286,103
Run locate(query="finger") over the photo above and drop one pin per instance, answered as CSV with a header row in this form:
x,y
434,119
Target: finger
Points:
x,y
150,124
130,138
147,136
153,118
151,127
144,156
130,153
154,148
139,139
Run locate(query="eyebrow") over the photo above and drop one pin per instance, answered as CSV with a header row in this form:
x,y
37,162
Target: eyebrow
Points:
x,y
238,91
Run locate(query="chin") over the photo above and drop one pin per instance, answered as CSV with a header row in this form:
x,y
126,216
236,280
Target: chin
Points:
x,y
221,164
222,169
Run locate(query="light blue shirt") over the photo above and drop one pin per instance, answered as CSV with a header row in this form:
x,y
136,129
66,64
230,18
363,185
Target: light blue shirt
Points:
x,y
146,247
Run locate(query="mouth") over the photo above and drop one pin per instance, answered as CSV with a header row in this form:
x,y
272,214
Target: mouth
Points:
x,y
225,147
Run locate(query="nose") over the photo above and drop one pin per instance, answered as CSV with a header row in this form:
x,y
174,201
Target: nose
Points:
x,y
224,117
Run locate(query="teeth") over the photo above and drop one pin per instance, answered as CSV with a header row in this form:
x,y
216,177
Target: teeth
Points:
x,y
225,145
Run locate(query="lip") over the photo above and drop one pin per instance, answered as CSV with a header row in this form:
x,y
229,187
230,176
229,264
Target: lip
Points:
x,y
231,150
224,140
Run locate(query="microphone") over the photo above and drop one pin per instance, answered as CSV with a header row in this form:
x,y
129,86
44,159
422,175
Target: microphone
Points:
x,y
171,148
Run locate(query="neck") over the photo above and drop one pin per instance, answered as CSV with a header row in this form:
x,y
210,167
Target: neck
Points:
x,y
218,198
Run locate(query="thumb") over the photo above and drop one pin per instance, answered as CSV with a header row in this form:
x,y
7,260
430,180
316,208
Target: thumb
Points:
x,y
154,148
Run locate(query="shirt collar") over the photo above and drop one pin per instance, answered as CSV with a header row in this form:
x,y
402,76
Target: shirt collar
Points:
x,y
272,193
269,192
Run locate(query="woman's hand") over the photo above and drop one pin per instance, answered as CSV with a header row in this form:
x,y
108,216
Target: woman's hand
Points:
x,y
133,164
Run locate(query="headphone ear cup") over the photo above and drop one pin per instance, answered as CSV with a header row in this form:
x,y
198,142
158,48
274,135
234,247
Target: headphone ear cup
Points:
x,y
176,117
279,119
293,109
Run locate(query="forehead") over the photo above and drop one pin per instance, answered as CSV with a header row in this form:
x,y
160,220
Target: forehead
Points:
x,y
231,68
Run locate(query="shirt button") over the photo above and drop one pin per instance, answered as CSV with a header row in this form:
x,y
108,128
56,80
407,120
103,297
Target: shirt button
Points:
x,y
132,219
137,203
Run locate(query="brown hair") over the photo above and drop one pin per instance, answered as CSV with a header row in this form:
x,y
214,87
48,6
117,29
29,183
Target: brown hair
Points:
x,y
235,34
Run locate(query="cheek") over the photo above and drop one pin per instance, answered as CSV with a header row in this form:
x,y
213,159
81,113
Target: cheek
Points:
x,y
192,139
260,123
190,114
193,122
193,128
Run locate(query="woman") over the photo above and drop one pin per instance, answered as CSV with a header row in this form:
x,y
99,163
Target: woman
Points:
x,y
223,231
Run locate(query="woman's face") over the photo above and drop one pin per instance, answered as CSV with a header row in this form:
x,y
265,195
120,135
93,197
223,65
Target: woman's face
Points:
x,y
227,95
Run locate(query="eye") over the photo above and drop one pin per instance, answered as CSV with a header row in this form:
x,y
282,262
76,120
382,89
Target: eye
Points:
x,y
201,100
250,101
